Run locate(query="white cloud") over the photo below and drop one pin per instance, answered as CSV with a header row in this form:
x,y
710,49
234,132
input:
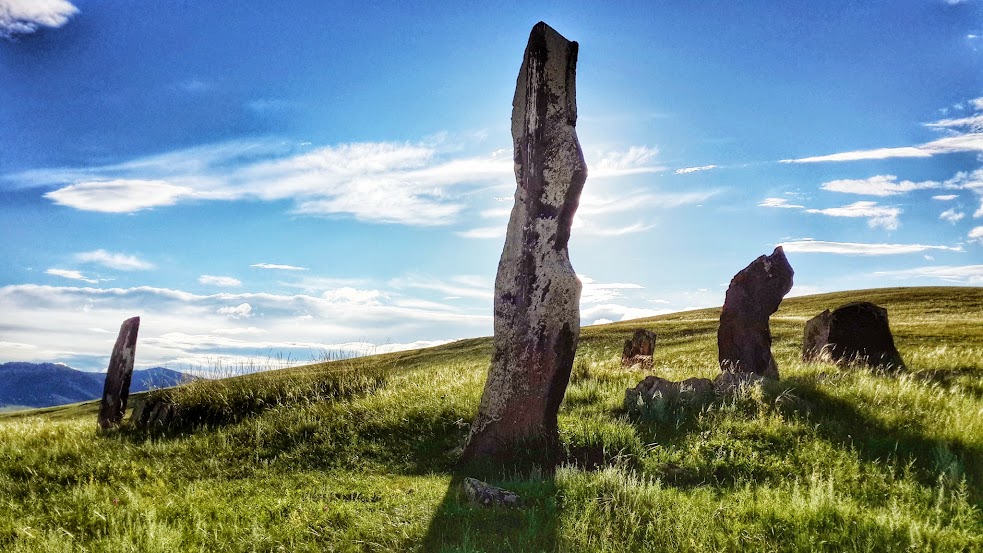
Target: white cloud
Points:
x,y
118,196
973,123
779,202
636,160
241,311
601,321
26,16
224,281
496,212
970,142
484,233
976,235
877,216
687,170
277,267
964,180
413,184
462,286
593,203
966,274
856,155
614,312
951,216
117,261
584,227
239,331
352,296
74,275
852,248
879,185
598,292
181,328
965,135
945,197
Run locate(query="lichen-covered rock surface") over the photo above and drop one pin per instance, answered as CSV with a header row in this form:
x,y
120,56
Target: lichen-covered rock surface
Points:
x,y
537,293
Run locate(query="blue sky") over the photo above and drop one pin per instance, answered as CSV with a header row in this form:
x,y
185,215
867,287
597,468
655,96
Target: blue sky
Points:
x,y
265,184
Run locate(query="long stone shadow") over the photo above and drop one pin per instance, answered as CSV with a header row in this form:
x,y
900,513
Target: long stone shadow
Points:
x,y
839,421
458,526
835,420
951,377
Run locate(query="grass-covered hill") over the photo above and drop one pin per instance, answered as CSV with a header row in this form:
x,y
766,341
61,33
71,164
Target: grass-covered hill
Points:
x,y
359,455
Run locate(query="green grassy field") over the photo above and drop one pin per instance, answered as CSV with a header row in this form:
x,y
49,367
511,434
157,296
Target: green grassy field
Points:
x,y
360,455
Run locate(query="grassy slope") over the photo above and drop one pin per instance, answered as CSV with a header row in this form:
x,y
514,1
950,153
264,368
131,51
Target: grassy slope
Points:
x,y
823,460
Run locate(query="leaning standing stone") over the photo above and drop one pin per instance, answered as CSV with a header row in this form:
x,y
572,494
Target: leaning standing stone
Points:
x,y
117,387
537,293
754,294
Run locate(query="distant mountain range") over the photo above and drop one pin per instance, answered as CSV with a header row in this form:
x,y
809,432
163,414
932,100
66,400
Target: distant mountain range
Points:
x,y
48,384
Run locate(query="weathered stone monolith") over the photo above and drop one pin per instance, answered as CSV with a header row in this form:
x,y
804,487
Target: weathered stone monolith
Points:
x,y
537,293
853,333
117,387
638,349
754,294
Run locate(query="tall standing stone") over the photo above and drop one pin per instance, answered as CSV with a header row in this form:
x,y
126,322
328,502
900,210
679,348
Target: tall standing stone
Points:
x,y
754,294
117,387
537,293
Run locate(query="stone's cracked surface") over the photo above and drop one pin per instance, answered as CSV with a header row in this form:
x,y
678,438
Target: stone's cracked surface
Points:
x,y
853,333
754,294
117,387
537,293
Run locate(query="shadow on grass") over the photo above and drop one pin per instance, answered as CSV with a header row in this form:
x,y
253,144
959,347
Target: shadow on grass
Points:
x,y
969,379
841,422
533,526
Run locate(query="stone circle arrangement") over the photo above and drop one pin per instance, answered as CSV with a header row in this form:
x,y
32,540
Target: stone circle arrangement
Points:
x,y
537,297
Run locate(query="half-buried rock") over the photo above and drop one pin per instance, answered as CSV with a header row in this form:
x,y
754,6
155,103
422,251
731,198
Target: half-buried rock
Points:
x,y
537,293
639,349
754,294
654,388
855,333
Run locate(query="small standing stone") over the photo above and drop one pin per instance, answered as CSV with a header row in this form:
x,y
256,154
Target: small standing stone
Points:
x,y
754,294
639,349
537,293
854,333
117,388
